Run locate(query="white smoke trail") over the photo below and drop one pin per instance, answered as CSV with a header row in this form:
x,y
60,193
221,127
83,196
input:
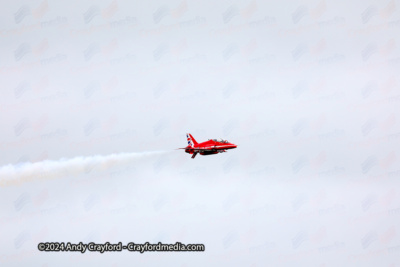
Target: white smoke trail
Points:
x,y
12,174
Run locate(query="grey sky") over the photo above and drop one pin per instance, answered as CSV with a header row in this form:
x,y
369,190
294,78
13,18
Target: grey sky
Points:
x,y
309,91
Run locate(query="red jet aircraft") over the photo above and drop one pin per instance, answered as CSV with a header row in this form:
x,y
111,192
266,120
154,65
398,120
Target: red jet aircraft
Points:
x,y
212,146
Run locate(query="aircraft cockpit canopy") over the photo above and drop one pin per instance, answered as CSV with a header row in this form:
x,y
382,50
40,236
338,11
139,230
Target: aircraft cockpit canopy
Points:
x,y
220,140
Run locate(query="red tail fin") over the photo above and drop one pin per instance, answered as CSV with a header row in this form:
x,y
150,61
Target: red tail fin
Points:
x,y
191,141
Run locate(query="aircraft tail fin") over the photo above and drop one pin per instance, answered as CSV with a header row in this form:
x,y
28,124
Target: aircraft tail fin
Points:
x,y
191,141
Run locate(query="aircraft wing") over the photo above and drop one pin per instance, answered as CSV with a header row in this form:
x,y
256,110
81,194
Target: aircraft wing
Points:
x,y
212,148
195,148
198,149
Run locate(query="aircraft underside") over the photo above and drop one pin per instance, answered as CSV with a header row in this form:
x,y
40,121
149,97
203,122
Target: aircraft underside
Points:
x,y
205,153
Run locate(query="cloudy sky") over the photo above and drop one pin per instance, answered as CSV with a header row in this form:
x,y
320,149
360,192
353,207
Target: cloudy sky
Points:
x,y
96,97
